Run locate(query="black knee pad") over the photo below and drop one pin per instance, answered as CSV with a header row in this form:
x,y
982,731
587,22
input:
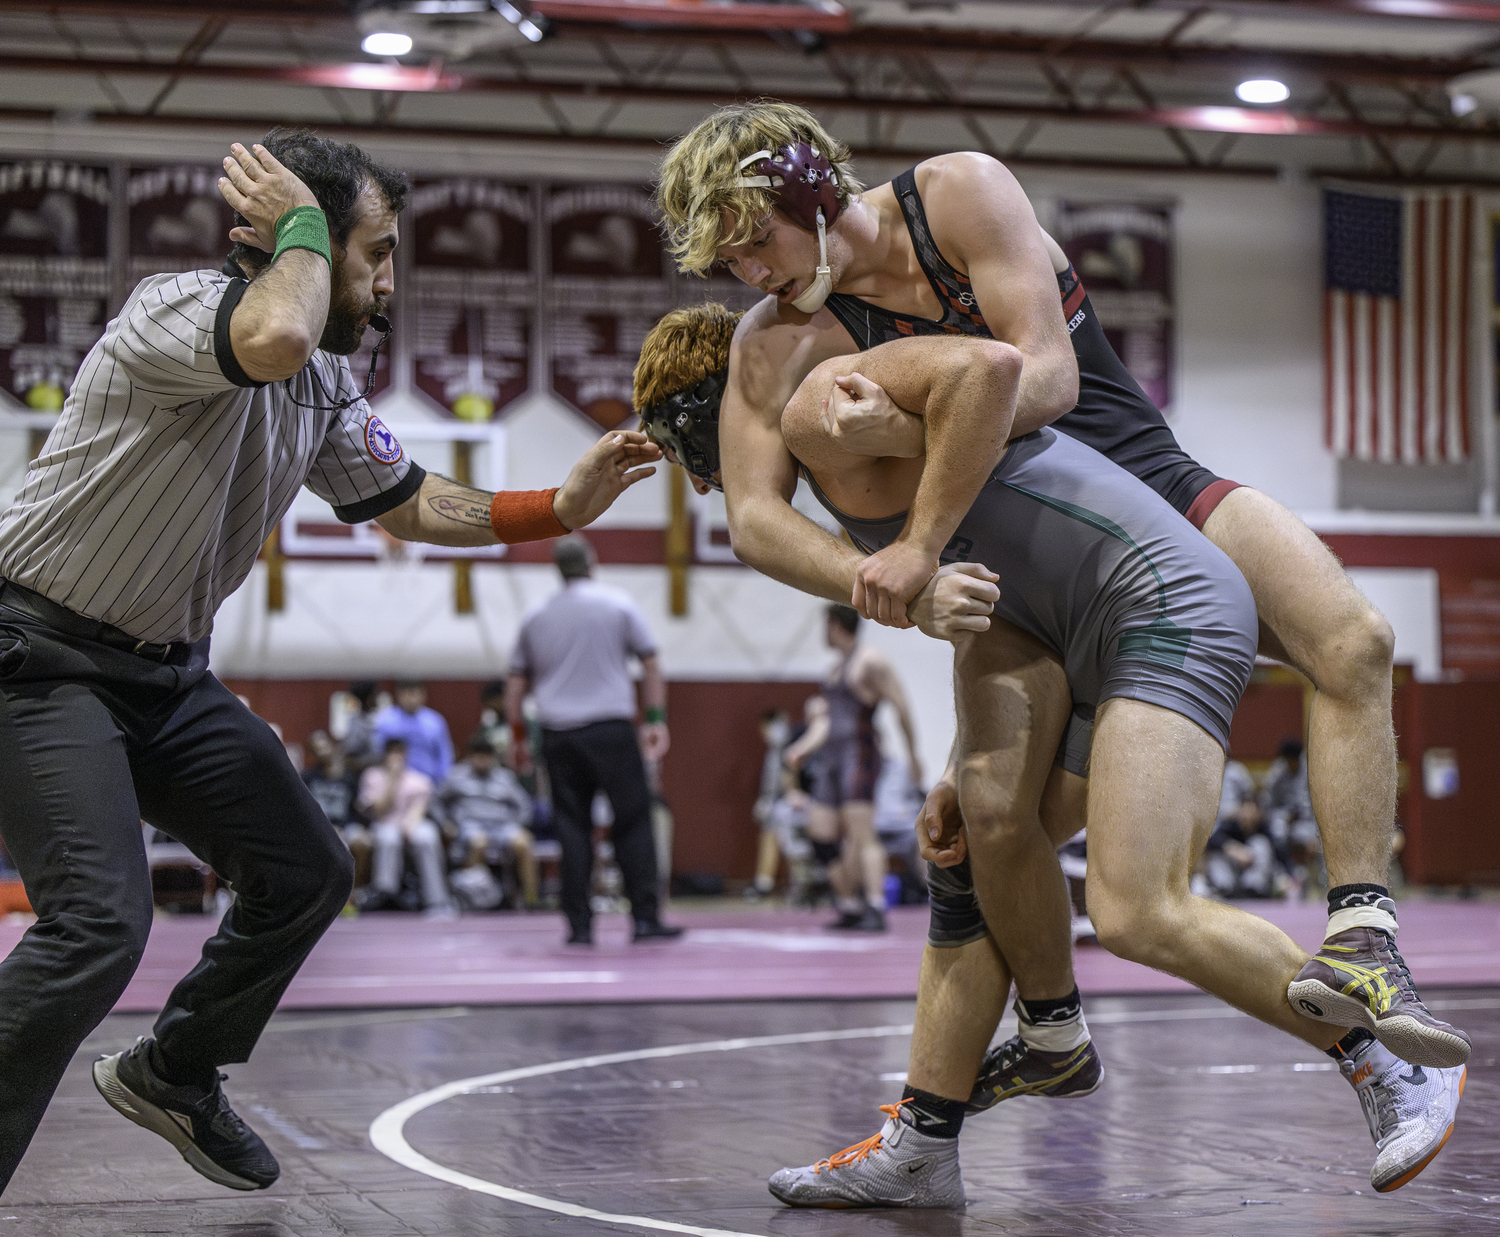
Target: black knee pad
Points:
x,y
826,852
955,915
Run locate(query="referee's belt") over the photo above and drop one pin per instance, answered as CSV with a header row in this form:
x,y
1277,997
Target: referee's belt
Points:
x,y
44,610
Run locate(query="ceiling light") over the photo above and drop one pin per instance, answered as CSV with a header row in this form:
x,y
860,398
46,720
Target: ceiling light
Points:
x,y
1262,90
386,43
530,28
1474,92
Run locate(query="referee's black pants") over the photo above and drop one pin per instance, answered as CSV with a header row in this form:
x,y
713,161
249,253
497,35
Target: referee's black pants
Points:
x,y
92,740
601,756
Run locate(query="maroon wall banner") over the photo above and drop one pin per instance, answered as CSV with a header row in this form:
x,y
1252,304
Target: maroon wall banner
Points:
x,y
1123,253
472,294
609,284
179,221
54,275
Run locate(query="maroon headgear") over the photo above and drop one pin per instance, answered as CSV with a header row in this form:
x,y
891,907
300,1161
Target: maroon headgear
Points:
x,y
803,178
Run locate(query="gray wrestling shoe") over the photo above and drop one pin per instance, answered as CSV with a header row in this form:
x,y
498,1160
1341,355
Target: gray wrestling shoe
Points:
x,y
1359,979
198,1121
1015,1068
898,1167
1410,1110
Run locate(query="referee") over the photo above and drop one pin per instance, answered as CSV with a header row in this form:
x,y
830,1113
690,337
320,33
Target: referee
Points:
x,y
190,426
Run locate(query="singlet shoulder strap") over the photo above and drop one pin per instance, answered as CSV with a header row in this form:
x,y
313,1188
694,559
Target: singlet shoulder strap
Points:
x,y
873,324
939,270
953,289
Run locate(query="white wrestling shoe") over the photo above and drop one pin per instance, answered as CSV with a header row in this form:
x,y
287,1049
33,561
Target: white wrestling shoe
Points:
x,y
1410,1110
898,1167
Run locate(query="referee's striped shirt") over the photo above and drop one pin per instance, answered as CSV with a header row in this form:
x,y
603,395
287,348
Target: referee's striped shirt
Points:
x,y
169,467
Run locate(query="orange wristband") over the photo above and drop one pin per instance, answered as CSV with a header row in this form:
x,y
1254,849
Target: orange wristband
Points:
x,y
524,515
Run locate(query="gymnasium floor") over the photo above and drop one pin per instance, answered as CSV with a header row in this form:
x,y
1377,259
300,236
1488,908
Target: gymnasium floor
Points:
x,y
730,953
606,1116
1207,1124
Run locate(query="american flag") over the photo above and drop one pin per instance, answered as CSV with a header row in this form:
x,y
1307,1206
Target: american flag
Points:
x,y
1396,326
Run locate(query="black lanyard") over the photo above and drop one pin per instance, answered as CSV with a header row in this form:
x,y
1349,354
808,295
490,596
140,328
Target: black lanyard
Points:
x,y
381,323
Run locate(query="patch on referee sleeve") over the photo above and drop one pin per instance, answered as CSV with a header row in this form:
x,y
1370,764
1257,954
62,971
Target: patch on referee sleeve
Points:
x,y
381,442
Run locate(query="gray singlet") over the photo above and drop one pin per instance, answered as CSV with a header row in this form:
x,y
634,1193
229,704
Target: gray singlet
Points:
x,y
1100,568
848,765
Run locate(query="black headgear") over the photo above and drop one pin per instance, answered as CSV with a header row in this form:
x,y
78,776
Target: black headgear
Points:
x,y
687,424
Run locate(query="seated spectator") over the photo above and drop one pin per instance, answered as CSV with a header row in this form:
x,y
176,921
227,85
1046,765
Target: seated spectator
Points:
x,y
1242,860
395,797
424,731
336,787
1286,801
361,748
787,821
775,733
489,812
492,717
898,802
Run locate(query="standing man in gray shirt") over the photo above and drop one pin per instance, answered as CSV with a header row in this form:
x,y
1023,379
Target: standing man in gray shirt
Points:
x,y
574,655
191,425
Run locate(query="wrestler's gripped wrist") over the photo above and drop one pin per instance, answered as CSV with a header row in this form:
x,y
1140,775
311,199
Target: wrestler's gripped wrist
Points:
x,y
929,545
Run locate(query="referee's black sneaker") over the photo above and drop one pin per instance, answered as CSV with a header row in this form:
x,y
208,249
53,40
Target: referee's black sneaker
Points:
x,y
198,1121
655,930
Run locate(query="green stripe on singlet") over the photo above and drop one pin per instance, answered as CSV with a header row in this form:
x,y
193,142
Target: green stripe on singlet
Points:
x,y
1161,640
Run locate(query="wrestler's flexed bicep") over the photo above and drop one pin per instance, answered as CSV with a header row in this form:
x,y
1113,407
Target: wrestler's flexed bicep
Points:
x,y
759,475
985,227
754,459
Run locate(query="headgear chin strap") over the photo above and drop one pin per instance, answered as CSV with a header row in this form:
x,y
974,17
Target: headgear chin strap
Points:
x,y
687,425
807,193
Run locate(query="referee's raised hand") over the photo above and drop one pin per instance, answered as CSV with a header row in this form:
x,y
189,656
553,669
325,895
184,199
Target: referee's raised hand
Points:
x,y
607,470
262,190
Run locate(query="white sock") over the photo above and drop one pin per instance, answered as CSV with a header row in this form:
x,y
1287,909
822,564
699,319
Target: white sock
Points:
x,y
1361,917
1055,1036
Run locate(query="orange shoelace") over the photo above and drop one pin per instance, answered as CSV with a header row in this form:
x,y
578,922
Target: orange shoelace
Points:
x,y
858,1152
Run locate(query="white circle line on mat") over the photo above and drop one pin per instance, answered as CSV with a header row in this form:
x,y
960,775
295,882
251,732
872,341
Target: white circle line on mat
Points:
x,y
387,1131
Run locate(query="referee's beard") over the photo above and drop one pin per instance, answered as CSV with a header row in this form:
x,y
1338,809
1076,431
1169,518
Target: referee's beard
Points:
x,y
348,315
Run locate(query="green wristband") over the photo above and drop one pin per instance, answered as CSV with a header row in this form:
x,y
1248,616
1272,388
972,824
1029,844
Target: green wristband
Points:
x,y
655,715
304,227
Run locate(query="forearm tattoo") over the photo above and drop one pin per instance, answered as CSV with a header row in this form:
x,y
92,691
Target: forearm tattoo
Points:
x,y
460,510
462,506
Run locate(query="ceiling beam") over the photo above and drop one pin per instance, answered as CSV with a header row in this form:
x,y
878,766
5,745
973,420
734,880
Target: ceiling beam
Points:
x,y
548,139
672,14
572,19
367,76
902,40
340,12
258,10
1421,10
